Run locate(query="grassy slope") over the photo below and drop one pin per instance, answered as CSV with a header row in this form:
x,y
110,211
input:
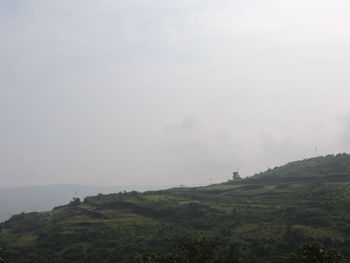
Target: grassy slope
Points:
x,y
265,215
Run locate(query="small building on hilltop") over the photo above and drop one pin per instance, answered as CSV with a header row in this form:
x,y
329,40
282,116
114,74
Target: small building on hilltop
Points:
x,y
235,176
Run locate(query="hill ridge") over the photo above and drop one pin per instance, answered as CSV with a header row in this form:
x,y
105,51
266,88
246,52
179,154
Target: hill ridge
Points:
x,y
266,216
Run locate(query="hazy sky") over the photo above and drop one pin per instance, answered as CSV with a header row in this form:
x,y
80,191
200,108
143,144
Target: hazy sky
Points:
x,y
131,92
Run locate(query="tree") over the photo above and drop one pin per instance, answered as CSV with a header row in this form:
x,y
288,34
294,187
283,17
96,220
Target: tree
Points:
x,y
195,251
314,252
186,251
2,252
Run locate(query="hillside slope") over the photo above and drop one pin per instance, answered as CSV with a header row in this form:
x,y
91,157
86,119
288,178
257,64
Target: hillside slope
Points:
x,y
16,200
265,216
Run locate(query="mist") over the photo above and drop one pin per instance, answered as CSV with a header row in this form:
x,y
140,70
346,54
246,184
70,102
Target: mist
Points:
x,y
163,92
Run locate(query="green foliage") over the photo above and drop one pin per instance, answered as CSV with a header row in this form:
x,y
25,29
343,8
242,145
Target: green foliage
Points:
x,y
204,251
74,202
319,166
194,251
265,216
5,253
314,252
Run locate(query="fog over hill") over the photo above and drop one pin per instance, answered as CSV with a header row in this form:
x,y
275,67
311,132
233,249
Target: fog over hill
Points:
x,y
45,197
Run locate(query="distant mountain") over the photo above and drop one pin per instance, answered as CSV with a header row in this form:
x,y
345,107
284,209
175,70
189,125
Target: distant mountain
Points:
x,y
45,197
264,217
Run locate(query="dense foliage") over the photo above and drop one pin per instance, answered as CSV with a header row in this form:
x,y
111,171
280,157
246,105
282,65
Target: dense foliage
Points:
x,y
265,216
314,252
204,251
194,251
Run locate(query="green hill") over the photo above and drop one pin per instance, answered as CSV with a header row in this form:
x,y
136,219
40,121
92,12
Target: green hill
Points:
x,y
264,216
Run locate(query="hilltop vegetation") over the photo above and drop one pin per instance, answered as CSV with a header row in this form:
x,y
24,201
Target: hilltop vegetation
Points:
x,y
264,217
319,166
15,200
